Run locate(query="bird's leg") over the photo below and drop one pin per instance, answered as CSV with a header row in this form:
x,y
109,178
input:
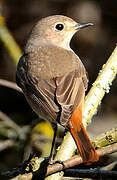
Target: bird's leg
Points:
x,y
51,161
54,126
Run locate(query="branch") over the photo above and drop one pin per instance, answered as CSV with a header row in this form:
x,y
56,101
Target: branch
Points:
x,y
6,144
23,177
15,131
89,173
34,163
9,84
59,167
104,139
9,42
9,122
93,100
110,166
78,160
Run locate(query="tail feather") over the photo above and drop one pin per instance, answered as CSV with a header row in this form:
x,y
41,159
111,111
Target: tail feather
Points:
x,y
81,138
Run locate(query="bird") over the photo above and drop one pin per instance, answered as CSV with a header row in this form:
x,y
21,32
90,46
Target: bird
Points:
x,y
54,79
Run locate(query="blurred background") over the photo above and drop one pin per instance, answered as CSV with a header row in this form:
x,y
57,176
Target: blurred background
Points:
x,y
93,45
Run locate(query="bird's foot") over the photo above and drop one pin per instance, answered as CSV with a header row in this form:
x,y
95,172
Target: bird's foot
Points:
x,y
51,162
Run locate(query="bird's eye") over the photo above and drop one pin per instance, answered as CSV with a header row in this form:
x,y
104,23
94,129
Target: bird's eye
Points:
x,y
59,27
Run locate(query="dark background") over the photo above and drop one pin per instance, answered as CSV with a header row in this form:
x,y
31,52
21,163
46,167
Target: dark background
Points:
x,y
93,45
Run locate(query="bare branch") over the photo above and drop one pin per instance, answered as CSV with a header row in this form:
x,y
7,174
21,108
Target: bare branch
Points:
x,y
6,144
110,166
68,163
9,122
8,41
9,84
90,173
23,177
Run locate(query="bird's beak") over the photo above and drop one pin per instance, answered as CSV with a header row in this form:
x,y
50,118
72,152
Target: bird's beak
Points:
x,y
79,26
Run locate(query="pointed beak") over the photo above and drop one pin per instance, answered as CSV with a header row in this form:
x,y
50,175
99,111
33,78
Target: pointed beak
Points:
x,y
83,25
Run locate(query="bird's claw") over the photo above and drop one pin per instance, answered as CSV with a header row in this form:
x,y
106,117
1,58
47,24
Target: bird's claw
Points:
x,y
56,162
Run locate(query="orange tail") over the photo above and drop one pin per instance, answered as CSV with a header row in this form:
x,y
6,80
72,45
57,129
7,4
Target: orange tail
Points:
x,y
81,138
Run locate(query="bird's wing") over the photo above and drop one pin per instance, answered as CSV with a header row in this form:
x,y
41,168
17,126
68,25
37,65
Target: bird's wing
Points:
x,y
39,93
70,92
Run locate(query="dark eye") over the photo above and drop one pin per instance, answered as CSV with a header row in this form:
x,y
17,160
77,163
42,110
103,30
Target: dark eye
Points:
x,y
59,27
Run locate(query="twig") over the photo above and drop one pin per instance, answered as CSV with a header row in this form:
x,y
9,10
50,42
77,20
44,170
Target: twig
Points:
x,y
93,100
8,41
77,159
15,131
23,177
7,132
105,139
72,178
9,122
110,166
6,144
68,163
9,84
90,173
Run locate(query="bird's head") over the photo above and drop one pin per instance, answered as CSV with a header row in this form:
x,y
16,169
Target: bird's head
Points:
x,y
57,30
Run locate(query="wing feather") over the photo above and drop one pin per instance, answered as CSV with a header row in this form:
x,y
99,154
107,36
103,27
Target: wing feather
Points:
x,y
39,93
70,91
